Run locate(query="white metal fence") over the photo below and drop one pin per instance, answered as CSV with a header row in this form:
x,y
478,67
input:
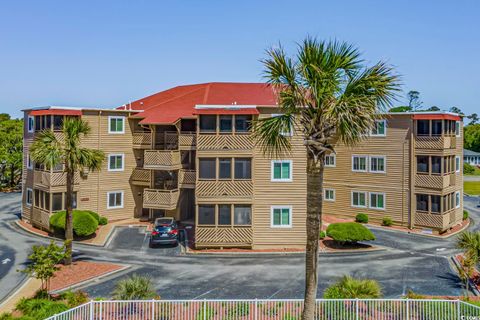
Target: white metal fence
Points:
x,y
352,309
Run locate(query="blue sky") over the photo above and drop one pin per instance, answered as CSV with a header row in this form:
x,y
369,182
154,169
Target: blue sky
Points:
x,y
105,53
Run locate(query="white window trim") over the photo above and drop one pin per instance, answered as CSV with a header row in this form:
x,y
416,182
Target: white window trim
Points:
x,y
123,124
366,199
457,125
370,201
457,158
380,135
334,160
29,162
325,193
289,179
285,134
459,199
116,155
384,164
290,216
28,204
108,198
30,130
366,163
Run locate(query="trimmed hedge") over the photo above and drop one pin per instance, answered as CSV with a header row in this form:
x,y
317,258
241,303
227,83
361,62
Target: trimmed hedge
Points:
x,y
465,214
84,223
361,218
387,221
103,221
349,232
322,235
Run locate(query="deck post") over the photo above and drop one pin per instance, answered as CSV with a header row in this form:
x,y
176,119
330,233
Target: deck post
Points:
x,y
458,309
408,308
256,309
357,316
92,305
153,309
204,308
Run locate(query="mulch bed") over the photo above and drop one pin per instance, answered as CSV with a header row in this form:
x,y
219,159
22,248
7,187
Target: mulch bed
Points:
x,y
80,271
476,274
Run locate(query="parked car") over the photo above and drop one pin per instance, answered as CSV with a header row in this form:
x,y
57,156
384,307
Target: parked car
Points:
x,y
165,231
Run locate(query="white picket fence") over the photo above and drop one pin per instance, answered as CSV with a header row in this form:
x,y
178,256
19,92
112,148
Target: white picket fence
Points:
x,y
352,309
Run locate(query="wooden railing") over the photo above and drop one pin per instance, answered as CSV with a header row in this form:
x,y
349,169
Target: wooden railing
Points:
x,y
431,220
227,236
40,218
224,142
142,140
187,178
230,188
162,159
171,140
187,140
141,177
52,179
160,199
432,181
435,142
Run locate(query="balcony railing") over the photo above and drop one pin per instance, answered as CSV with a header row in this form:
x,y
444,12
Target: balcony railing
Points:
x,y
224,236
225,142
162,159
47,179
142,140
171,140
141,177
219,188
40,218
160,199
432,181
187,178
435,142
432,220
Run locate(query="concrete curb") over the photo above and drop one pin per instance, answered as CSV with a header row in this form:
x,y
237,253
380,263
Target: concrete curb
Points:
x,y
458,267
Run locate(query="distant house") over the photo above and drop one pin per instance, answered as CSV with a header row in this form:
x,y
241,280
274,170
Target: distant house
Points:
x,y
471,157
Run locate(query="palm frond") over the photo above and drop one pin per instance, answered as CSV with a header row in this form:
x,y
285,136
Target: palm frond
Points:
x,y
90,158
46,149
271,134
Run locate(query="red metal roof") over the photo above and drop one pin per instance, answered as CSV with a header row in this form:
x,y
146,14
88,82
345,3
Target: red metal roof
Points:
x,y
60,112
169,106
436,116
226,111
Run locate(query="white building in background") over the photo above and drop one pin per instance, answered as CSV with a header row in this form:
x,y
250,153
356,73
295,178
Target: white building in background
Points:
x,y
471,157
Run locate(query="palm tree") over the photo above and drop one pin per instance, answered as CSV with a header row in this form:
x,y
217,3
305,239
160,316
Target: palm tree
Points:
x,y
470,243
326,95
134,287
51,151
350,288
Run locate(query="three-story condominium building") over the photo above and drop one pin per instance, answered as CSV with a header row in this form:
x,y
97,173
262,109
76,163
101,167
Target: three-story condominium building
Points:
x,y
187,152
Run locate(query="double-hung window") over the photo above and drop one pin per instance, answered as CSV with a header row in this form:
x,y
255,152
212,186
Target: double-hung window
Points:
x,y
281,216
115,162
114,199
30,124
457,199
281,170
359,163
377,200
377,164
329,194
457,164
28,197
359,199
330,160
379,128
116,124
242,214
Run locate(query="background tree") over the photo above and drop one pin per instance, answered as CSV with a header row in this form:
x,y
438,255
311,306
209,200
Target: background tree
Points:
x,y
11,151
473,118
456,110
400,109
414,100
326,95
433,108
471,137
50,151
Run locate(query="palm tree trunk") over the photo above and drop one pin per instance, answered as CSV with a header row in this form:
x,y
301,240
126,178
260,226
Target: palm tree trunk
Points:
x,y
69,217
314,221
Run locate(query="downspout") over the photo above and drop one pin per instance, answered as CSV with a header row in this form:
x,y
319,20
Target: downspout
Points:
x,y
411,216
98,148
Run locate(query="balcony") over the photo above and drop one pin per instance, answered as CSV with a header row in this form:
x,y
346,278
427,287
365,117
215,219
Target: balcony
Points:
x,y
223,236
432,220
141,177
222,142
160,199
47,179
40,218
220,189
187,178
435,142
431,181
162,159
142,140
172,140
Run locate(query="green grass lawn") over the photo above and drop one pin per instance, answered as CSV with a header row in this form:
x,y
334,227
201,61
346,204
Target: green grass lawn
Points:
x,y
471,187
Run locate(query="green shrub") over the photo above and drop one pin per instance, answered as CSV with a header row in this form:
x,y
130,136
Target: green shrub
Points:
x,y
349,232
84,222
134,287
322,235
74,298
361,218
387,221
350,288
95,215
103,221
468,168
40,308
465,214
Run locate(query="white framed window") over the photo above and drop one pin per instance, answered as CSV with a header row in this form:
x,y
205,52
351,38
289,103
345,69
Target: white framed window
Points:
x,y
29,162
377,164
30,124
377,200
379,128
330,160
116,162
281,170
329,194
116,124
28,197
114,199
288,133
281,217
457,199
359,163
457,128
457,163
359,199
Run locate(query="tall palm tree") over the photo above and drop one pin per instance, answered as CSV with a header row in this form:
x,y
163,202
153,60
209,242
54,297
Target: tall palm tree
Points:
x,y
50,151
326,95
470,243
